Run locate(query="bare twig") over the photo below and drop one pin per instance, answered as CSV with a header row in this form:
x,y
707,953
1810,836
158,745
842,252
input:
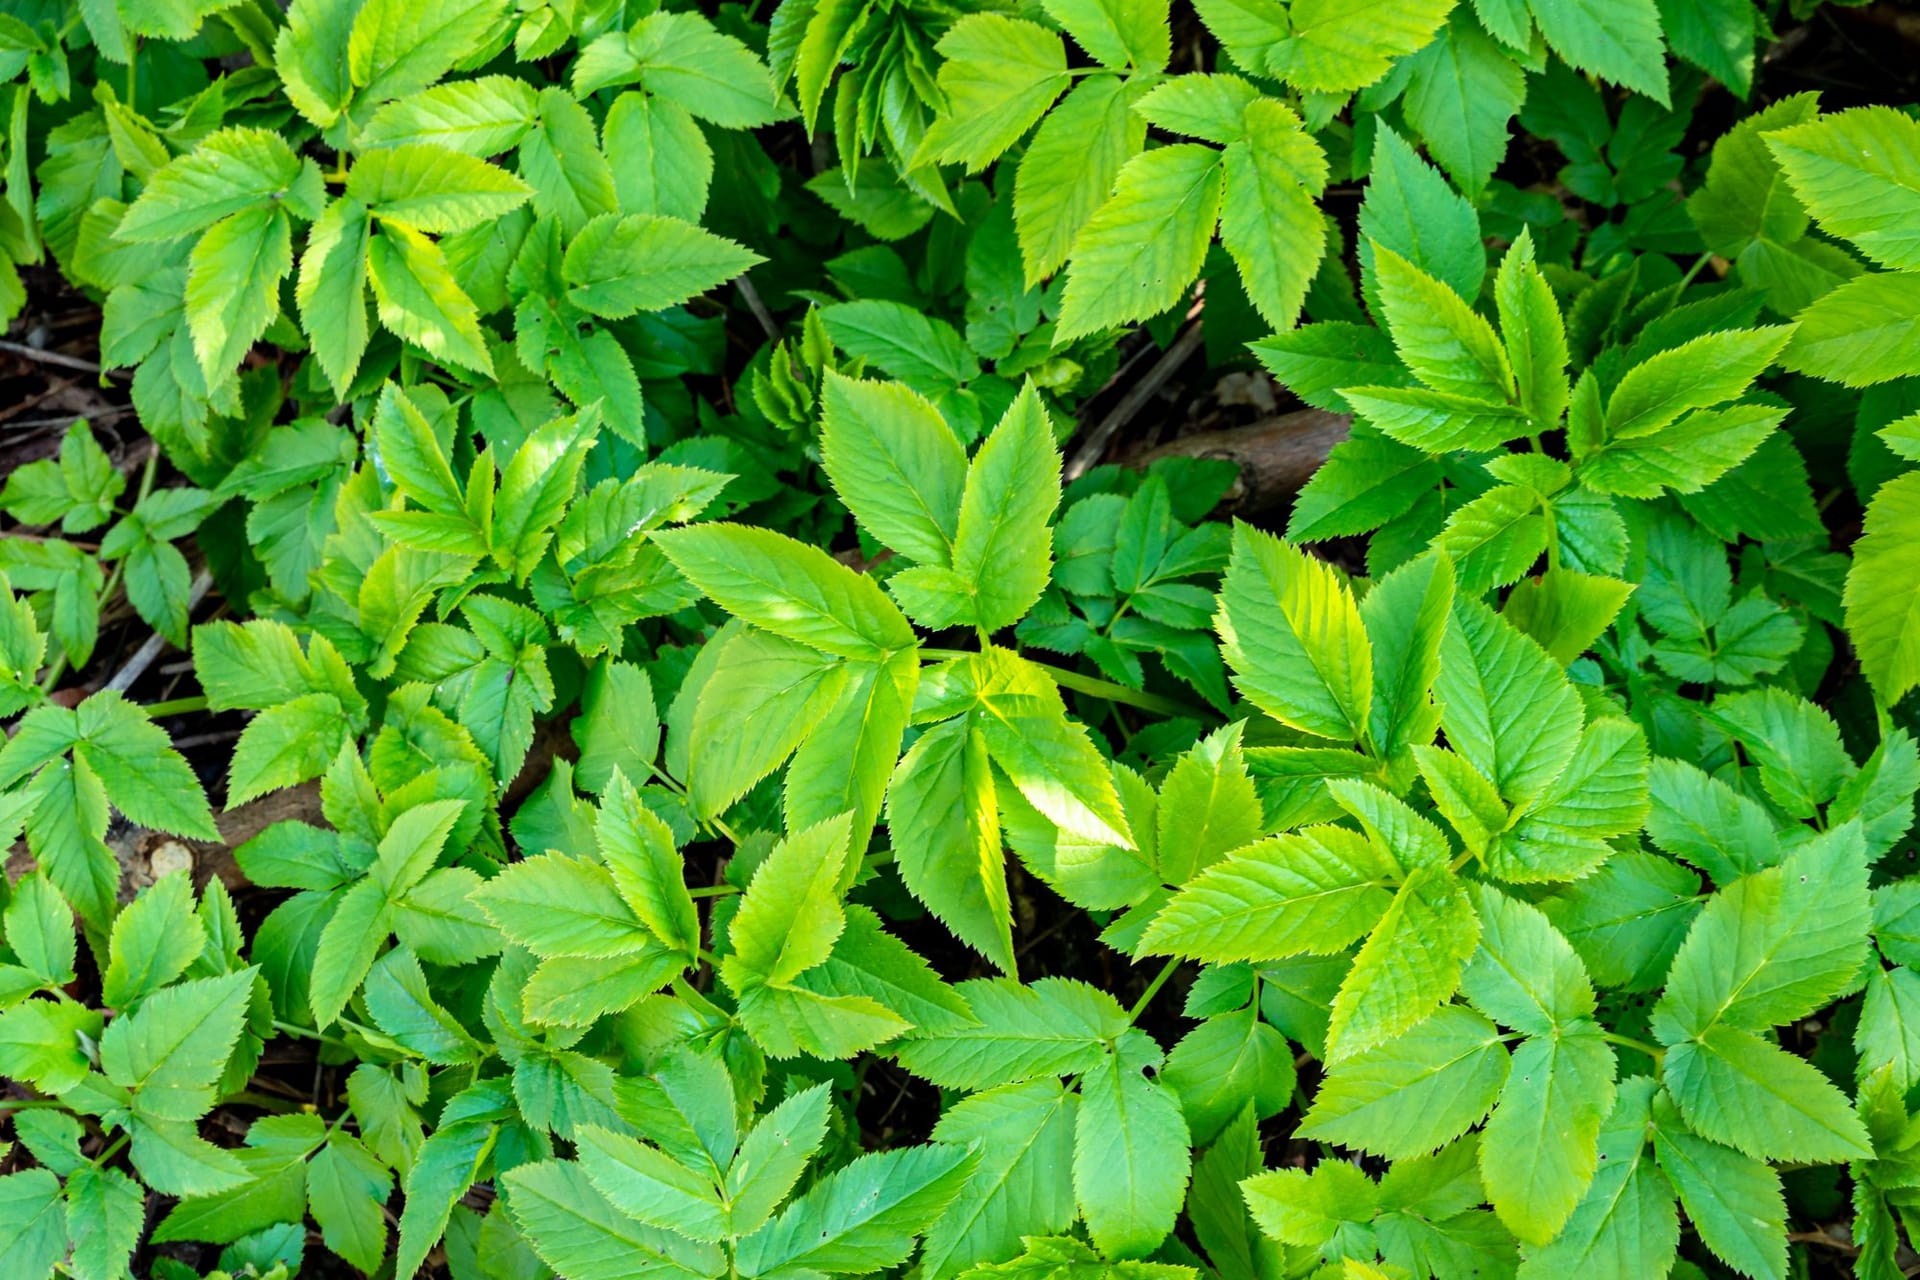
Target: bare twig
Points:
x,y
758,306
136,666
1276,455
57,358
68,419
1095,445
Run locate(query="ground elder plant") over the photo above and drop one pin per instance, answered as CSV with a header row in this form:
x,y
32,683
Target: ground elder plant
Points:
x,y
1269,640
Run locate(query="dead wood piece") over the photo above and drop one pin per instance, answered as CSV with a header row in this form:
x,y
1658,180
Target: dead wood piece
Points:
x,y
1276,456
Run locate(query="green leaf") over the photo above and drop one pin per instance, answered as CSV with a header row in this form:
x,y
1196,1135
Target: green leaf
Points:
x,y
433,188
1268,220
33,1222
1773,946
618,266
772,1157
662,163
154,940
684,59
172,1050
1715,35
1140,250
923,351
1002,546
1444,342
1025,1134
1617,41
1423,940
1411,210
791,914
1734,1201
228,172
1525,975
863,1217
233,285
45,1043
1059,1258
1505,705
1054,1027
347,1190
332,290
397,49
402,1006
556,905
479,117
1069,169
1049,758
575,1231
1541,1147
1534,334
1118,33
645,866
38,927
1130,1160
1000,75
1863,332
649,1186
1746,198
1625,1225
1463,91
1405,615
1317,362
1414,1093
1309,1209
419,301
944,822
106,1211
1337,47
1292,634
771,692
1707,371
788,587
1229,1062
1208,807
896,464
1882,598
1315,891
846,761
1858,174
1736,1088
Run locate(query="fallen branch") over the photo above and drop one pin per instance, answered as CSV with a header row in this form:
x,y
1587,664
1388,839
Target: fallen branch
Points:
x,y
1276,456
1088,455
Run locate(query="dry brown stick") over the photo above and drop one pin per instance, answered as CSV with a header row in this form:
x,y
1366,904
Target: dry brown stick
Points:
x,y
57,358
1095,445
758,306
149,649
1276,456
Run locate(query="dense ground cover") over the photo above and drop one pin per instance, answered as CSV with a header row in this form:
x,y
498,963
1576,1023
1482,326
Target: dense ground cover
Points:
x,y
1085,639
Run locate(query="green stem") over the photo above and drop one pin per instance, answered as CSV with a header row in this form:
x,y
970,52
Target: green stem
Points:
x,y
55,669
177,707
27,1104
147,474
713,891
265,1102
711,960
1687,279
113,1149
1153,989
1653,1051
308,1033
1089,685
